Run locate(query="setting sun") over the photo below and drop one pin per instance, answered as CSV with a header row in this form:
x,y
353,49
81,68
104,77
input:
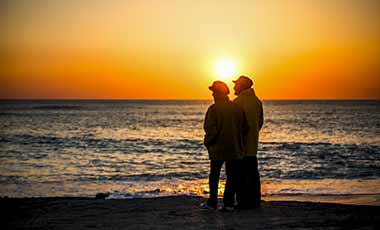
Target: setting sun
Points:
x,y
225,69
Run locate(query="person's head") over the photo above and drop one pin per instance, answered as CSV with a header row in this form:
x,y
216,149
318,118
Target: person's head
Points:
x,y
219,89
242,83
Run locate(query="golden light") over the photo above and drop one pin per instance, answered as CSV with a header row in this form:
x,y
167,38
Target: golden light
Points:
x,y
225,69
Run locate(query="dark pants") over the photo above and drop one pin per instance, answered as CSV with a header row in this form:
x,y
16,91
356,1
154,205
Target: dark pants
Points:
x,y
249,194
232,169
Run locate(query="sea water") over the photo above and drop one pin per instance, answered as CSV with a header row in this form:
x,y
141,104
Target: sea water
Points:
x,y
155,148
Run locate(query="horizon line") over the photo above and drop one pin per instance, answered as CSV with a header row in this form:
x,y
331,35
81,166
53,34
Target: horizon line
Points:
x,y
170,99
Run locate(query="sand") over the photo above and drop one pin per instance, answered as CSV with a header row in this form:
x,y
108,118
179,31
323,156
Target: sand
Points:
x,y
179,213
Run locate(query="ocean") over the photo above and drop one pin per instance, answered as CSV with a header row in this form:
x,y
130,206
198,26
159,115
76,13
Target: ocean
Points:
x,y
143,148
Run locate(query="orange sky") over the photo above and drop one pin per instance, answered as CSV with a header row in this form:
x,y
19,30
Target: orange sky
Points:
x,y
140,49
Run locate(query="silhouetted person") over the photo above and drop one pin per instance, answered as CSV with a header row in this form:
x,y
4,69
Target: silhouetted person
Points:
x,y
224,125
250,190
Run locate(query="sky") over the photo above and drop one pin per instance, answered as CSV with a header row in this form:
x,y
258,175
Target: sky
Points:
x,y
161,49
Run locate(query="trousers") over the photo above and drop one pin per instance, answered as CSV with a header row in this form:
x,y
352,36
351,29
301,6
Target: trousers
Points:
x,y
232,179
249,194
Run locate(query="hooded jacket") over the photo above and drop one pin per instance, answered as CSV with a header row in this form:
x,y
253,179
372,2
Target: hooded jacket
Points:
x,y
253,109
225,127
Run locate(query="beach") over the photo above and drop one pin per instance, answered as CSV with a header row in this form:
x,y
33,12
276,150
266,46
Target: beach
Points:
x,y
180,212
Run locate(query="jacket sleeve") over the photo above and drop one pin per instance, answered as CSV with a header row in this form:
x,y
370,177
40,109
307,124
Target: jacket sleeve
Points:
x,y
210,127
245,125
261,115
245,130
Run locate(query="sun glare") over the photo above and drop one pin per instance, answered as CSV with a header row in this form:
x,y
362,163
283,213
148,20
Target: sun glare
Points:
x,y
225,69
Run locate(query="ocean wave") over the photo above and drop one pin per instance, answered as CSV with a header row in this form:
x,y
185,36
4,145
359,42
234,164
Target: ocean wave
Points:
x,y
57,107
130,146
144,177
83,178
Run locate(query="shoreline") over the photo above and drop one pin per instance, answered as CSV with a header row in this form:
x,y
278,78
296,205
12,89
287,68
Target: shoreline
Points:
x,y
179,212
340,199
357,192
344,199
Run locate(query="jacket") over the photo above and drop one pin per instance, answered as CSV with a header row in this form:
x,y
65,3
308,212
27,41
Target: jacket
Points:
x,y
253,109
225,127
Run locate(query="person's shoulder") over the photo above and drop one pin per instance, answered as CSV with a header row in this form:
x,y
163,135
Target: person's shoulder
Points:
x,y
211,107
237,106
239,100
255,98
231,103
259,101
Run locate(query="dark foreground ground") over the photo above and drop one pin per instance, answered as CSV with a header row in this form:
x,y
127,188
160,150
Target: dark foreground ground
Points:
x,y
179,213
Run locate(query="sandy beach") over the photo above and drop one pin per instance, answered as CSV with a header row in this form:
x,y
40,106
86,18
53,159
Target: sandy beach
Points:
x,y
180,213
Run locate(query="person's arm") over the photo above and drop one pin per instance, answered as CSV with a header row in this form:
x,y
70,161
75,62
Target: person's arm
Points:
x,y
261,115
245,128
210,127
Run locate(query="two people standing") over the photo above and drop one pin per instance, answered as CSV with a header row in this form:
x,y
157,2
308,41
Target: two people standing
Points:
x,y
232,131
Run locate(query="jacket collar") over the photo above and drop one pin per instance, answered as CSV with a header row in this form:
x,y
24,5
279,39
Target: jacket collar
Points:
x,y
247,92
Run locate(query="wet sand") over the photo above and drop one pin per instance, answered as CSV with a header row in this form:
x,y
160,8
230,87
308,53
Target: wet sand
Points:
x,y
180,213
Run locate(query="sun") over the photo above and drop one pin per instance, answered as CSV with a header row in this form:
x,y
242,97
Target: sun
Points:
x,y
225,69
